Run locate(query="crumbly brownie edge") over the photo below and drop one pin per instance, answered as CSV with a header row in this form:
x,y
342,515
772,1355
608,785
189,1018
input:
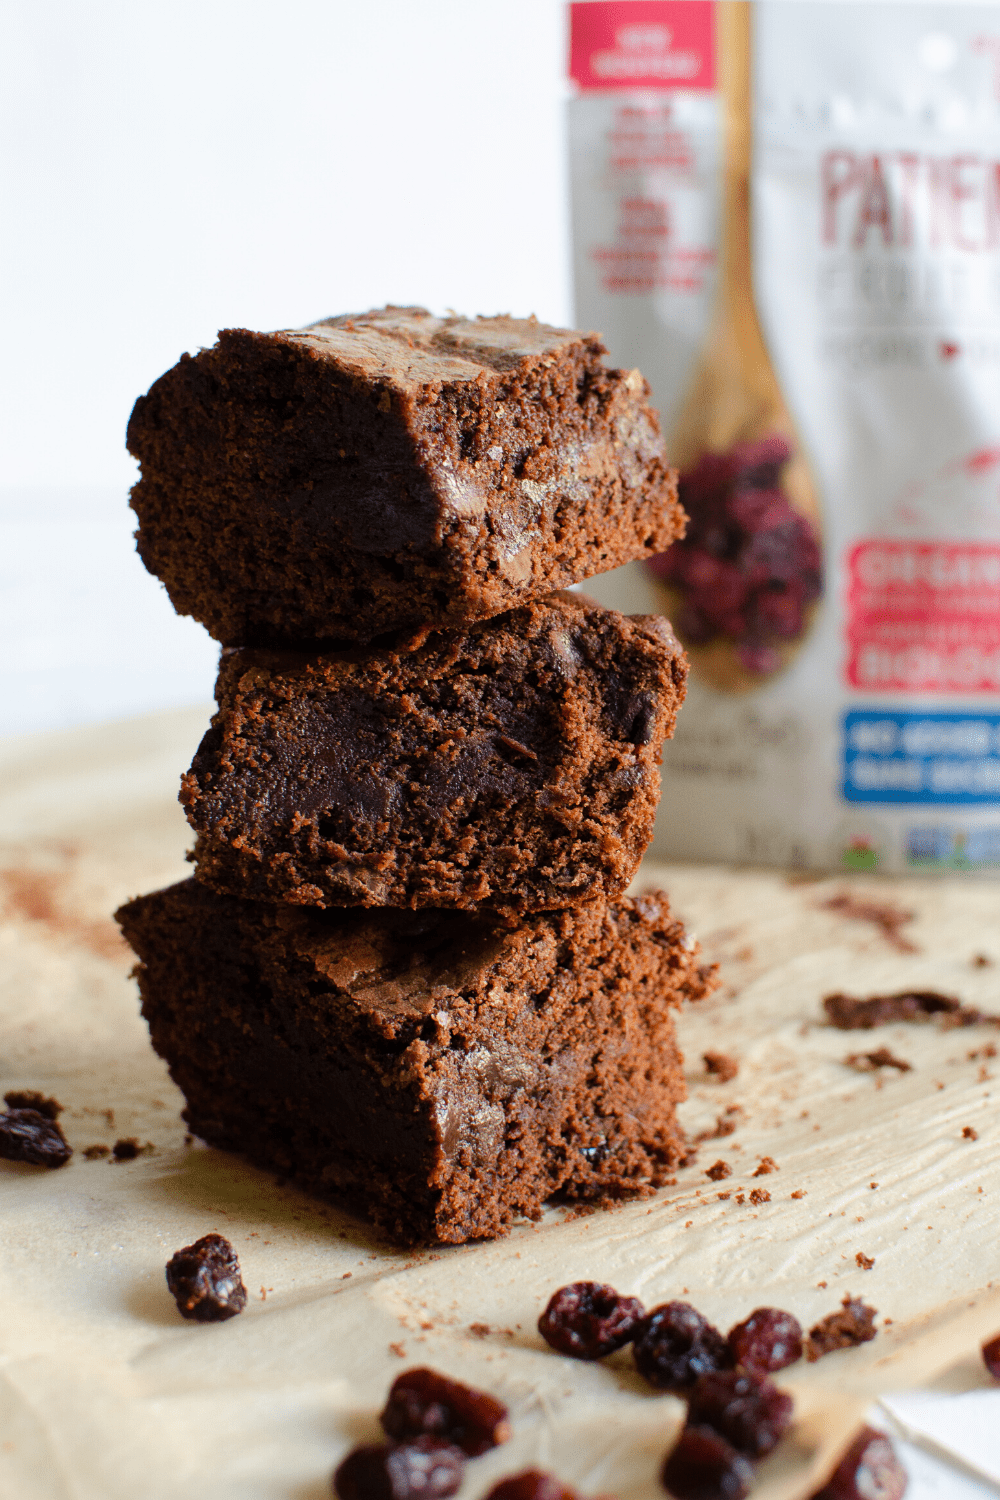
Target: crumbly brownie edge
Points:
x,y
512,767
245,447
598,1129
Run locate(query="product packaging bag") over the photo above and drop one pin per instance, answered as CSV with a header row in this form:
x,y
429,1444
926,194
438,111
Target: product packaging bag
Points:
x,y
837,429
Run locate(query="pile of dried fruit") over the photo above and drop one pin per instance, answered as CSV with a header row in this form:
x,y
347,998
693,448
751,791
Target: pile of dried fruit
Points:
x,y
750,564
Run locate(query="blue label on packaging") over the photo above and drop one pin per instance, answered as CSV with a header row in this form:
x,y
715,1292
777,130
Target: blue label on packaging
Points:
x,y
894,756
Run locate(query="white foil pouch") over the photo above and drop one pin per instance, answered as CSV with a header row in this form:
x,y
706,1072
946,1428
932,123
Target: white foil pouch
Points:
x,y
868,736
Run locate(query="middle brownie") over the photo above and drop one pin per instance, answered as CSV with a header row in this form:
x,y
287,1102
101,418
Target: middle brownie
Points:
x,y
512,765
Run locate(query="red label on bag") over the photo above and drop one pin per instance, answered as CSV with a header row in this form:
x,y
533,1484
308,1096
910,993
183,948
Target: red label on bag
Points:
x,y
924,617
643,44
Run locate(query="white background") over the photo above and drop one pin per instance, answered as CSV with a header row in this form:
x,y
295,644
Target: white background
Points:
x,y
169,170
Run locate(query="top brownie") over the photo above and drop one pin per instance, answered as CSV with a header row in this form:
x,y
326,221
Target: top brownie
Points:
x,y
390,470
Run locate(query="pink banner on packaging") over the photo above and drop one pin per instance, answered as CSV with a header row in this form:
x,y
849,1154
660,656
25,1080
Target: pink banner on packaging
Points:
x,y
924,617
643,44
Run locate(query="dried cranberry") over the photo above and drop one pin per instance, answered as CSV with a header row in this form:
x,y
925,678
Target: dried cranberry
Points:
x,y
205,1280
750,564
768,1340
869,1470
425,1469
991,1356
588,1320
424,1402
531,1484
675,1345
747,1409
28,1135
703,1466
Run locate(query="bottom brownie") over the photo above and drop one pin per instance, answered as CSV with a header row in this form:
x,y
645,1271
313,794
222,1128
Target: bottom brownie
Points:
x,y
440,1072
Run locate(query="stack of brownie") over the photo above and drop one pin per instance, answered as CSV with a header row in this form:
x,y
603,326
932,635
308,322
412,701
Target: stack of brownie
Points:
x,y
405,973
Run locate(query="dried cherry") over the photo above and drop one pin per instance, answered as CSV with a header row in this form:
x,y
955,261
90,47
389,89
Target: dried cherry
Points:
x,y
991,1356
675,1345
531,1484
424,1402
869,1470
588,1320
745,1408
30,1136
750,564
205,1280
703,1466
426,1469
766,1341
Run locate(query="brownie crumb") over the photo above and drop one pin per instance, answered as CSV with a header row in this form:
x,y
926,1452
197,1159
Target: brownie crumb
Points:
x,y
849,1013
864,1262
720,1170
205,1280
873,1185
988,1051
423,1403
588,1320
991,1356
480,1330
725,1124
889,919
766,1166
399,1350
32,1099
424,1469
721,1065
92,1153
532,1484
870,1062
129,1148
760,1195
981,961
799,1193
854,1324
968,1134
724,1197
741,1198
868,1469
28,1136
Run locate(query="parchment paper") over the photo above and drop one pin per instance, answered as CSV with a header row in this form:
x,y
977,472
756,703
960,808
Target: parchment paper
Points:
x,y
106,1394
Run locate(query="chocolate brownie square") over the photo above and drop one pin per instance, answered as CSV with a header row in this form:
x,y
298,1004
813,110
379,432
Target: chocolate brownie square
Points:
x,y
439,1071
391,470
511,766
